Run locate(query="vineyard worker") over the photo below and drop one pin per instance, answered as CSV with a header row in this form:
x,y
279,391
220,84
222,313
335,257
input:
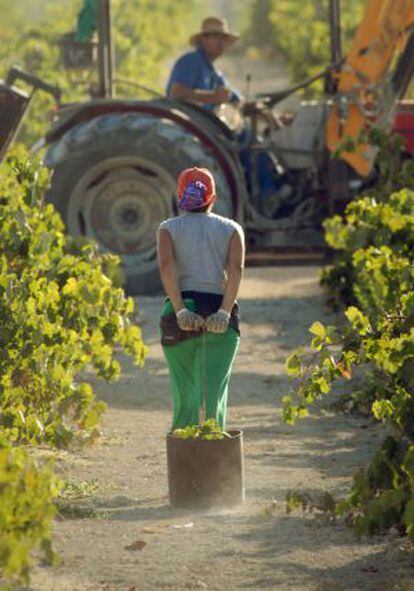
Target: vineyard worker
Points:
x,y
201,259
194,77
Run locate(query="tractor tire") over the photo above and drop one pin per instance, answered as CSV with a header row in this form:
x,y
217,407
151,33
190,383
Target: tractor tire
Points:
x,y
114,180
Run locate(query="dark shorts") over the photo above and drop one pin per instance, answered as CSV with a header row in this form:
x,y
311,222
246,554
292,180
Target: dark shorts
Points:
x,y
201,302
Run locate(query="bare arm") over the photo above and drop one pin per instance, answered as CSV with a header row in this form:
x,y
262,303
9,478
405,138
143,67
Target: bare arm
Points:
x,y
182,92
235,265
168,268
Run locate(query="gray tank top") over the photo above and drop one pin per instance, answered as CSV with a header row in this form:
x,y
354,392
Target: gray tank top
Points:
x,y
201,242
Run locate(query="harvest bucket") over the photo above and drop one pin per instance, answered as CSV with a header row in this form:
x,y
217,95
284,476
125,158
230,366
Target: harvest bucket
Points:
x,y
203,474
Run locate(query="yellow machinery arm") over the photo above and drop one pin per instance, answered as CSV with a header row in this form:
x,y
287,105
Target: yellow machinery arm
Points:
x,y
364,96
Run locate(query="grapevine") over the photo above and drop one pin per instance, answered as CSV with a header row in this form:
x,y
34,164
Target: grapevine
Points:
x,y
61,315
375,240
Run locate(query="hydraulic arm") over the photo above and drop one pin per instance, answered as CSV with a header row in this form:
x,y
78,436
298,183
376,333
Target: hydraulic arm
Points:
x,y
372,79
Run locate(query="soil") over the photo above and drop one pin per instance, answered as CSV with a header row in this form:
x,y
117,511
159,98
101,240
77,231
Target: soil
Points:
x,y
120,534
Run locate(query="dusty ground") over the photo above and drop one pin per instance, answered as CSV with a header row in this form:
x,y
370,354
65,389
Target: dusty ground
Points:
x,y
257,546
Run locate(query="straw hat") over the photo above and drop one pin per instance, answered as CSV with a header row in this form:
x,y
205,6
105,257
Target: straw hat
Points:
x,y
214,24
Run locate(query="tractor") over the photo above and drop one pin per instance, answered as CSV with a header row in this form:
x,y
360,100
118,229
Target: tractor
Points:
x,y
115,162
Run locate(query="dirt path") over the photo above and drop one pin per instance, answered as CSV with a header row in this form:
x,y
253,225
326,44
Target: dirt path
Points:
x,y
256,546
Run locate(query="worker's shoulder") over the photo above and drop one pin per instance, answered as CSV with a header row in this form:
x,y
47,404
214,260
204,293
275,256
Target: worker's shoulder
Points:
x,y
228,223
190,58
169,223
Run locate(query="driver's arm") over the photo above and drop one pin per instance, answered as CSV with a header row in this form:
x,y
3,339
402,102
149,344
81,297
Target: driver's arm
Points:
x,y
182,92
235,98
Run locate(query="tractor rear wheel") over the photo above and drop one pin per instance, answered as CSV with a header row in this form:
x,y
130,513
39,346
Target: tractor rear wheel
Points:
x,y
114,181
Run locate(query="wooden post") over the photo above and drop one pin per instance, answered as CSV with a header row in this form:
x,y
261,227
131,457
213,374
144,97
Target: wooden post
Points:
x,y
335,30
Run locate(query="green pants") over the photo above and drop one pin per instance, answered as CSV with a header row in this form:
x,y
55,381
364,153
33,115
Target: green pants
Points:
x,y
200,370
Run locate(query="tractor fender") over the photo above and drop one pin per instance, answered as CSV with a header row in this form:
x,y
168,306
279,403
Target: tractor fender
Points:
x,y
210,131
404,125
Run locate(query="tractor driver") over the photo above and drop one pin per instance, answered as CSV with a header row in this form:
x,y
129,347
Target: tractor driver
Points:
x,y
194,77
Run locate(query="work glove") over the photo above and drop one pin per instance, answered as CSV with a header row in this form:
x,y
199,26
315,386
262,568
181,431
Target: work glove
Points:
x,y
188,320
217,322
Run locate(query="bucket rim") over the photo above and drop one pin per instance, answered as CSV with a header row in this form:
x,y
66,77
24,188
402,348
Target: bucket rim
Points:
x,y
234,434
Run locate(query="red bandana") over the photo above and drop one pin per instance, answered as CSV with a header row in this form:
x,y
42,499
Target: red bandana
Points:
x,y
195,189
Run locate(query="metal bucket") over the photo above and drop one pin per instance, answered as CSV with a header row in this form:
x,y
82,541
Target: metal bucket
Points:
x,y
203,474
78,54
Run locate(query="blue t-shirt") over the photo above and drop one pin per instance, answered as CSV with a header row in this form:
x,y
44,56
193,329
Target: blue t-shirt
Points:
x,y
195,70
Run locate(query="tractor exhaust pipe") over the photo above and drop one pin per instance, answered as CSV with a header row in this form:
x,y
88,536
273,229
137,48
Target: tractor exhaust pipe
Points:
x,y
106,52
